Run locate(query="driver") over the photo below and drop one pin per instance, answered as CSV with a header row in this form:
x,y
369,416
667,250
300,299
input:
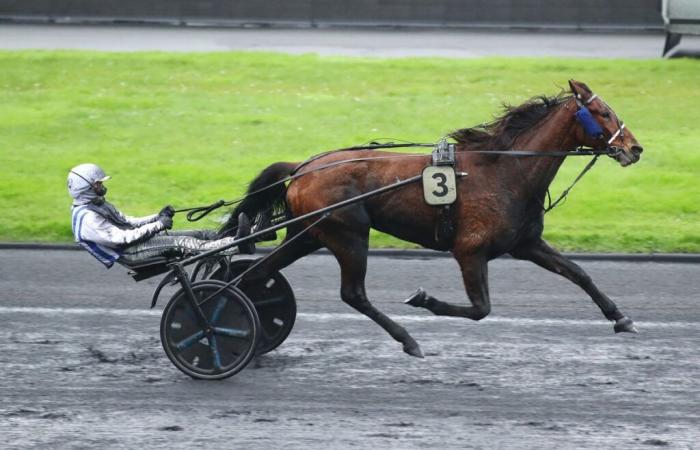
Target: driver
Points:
x,y
110,236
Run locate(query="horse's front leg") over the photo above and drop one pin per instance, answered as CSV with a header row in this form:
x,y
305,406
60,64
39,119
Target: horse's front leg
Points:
x,y
543,255
474,274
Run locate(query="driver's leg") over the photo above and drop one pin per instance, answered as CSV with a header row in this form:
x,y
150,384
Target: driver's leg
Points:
x,y
173,246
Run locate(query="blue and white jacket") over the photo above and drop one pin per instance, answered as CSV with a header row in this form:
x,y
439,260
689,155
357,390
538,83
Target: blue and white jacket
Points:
x,y
103,239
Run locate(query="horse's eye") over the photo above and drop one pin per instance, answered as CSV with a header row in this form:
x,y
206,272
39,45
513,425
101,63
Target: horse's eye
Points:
x,y
606,114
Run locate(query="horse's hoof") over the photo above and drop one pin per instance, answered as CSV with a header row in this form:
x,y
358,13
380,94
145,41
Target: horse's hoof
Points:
x,y
413,350
625,325
417,299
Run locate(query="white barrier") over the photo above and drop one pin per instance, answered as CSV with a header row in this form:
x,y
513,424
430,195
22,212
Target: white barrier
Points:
x,y
680,17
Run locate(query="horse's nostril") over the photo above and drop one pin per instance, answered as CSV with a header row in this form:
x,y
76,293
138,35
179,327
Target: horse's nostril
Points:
x,y
637,149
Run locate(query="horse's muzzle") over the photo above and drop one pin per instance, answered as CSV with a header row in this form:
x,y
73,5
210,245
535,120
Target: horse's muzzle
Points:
x,y
636,151
626,157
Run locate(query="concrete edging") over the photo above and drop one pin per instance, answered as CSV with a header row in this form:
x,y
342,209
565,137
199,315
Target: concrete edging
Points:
x,y
690,258
281,24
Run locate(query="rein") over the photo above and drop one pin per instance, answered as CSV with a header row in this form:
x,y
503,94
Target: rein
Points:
x,y
199,212
583,115
562,196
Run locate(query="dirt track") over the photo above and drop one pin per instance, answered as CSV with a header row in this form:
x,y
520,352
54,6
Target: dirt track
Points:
x,y
82,365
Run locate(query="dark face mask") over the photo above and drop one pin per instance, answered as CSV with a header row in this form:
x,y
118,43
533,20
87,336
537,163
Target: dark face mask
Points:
x,y
100,190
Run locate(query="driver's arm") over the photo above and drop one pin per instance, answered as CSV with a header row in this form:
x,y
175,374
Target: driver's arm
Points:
x,y
99,230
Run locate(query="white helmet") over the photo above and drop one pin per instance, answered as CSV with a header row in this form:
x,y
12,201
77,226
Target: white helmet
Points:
x,y
82,178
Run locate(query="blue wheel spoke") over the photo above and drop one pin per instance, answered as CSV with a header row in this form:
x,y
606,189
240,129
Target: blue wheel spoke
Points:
x,y
231,332
215,352
217,310
189,341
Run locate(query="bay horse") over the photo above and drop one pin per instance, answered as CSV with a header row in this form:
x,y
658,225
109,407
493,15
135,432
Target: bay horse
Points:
x,y
499,208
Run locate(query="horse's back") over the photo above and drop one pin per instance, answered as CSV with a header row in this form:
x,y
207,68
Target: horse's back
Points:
x,y
402,212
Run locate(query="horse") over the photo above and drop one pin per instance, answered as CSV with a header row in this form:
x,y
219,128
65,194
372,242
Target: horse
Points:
x,y
499,208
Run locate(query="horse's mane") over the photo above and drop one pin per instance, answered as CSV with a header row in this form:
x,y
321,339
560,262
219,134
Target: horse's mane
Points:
x,y
504,129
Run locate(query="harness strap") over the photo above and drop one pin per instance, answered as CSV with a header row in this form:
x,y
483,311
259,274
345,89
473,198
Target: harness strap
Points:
x,y
370,146
617,133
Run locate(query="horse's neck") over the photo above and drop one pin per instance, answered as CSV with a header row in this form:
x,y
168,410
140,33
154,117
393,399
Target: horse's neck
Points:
x,y
555,133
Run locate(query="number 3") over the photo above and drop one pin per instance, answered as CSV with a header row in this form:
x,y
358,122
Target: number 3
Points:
x,y
442,184
439,186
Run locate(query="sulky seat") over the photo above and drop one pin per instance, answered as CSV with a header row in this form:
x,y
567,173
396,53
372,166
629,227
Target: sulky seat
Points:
x,y
148,268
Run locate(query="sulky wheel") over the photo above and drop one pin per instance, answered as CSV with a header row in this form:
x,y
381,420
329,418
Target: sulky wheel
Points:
x,y
273,299
220,351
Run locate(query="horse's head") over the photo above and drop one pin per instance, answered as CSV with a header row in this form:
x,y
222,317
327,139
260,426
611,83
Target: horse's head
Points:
x,y
601,128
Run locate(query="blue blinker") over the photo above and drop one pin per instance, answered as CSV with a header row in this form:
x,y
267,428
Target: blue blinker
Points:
x,y
590,126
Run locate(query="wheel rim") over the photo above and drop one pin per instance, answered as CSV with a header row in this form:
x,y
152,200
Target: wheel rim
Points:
x,y
226,348
273,299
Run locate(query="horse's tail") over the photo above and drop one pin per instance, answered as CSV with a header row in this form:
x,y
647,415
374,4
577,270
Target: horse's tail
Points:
x,y
262,204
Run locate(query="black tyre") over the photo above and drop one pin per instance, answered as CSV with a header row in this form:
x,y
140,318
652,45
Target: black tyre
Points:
x,y
273,298
229,345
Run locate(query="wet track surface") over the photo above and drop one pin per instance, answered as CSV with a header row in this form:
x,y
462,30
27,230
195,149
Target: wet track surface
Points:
x,y
82,364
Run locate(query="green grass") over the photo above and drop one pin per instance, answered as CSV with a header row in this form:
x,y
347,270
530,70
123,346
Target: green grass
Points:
x,y
189,129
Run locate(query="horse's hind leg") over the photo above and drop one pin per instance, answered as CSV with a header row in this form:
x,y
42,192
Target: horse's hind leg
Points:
x,y
545,256
475,276
350,249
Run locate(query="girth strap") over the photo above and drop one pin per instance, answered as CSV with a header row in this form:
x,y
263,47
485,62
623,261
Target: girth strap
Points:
x,y
445,227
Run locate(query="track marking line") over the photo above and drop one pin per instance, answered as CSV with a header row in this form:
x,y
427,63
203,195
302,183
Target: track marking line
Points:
x,y
329,317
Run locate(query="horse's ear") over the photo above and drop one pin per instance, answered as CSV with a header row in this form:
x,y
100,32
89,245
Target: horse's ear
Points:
x,y
580,90
573,85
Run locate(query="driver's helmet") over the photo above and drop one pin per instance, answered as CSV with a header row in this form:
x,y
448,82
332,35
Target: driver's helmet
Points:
x,y
82,179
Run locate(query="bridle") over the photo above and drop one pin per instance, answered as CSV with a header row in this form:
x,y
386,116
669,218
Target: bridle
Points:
x,y
593,129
